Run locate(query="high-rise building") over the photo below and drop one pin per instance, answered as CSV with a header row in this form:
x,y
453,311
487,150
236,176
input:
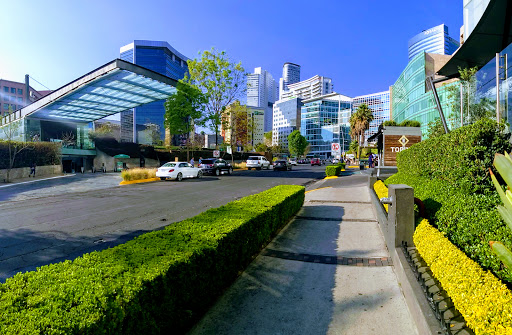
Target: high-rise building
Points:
x,y
262,92
325,120
291,75
434,40
286,119
473,11
307,89
160,57
17,95
379,105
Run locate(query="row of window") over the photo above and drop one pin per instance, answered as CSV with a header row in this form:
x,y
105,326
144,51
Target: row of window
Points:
x,y
6,107
13,90
10,98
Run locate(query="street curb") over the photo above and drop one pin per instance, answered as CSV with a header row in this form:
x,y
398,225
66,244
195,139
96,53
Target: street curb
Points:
x,y
421,313
124,182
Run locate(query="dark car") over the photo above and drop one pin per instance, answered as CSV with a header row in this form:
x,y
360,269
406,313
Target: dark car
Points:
x,y
215,166
282,165
316,161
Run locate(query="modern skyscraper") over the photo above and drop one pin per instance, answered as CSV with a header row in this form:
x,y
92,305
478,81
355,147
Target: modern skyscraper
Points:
x,y
379,105
434,40
307,89
291,75
160,57
286,119
262,92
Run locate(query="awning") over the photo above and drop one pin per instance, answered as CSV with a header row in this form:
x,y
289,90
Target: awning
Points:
x,y
492,34
115,87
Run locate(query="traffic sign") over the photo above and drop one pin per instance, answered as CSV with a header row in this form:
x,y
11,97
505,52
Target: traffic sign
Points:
x,y
216,153
335,146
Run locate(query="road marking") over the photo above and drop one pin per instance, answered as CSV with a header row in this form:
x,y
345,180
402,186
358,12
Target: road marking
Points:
x,y
316,189
33,181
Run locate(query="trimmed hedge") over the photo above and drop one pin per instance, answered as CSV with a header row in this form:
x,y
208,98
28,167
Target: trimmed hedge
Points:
x,y
138,174
42,153
160,282
484,301
382,191
332,170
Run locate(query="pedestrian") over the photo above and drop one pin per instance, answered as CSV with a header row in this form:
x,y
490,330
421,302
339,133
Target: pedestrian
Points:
x,y
32,170
200,160
370,160
192,161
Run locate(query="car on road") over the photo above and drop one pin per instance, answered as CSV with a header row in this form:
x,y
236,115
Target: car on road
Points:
x,y
257,162
178,171
293,161
316,161
215,166
282,164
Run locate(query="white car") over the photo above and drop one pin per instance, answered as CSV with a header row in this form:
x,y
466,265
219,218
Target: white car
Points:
x,y
178,171
293,161
257,162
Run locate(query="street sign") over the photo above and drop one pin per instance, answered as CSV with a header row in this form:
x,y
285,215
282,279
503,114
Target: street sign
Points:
x,y
216,153
335,147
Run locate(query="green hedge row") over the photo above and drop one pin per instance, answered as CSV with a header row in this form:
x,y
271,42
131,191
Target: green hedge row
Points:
x,y
160,282
461,158
332,170
449,174
41,153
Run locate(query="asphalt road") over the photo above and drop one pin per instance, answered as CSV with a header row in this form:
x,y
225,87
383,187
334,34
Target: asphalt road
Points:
x,y
53,220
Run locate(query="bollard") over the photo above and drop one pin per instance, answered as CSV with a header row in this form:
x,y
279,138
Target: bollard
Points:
x,y
401,215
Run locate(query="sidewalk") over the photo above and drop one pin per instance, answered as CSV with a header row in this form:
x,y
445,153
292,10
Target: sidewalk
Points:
x,y
327,272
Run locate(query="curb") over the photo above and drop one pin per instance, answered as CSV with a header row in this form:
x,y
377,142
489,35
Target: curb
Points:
x,y
124,182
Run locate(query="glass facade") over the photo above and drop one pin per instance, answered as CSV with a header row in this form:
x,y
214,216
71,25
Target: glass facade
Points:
x,y
159,57
286,119
473,10
409,99
379,105
325,121
262,92
433,40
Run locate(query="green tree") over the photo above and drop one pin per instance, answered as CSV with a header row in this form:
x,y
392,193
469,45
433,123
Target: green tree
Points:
x,y
235,122
359,123
221,80
297,143
182,109
435,128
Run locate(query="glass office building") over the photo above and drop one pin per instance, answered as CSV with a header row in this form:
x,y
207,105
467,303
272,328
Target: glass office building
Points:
x,y
325,120
409,98
160,57
379,105
286,119
434,40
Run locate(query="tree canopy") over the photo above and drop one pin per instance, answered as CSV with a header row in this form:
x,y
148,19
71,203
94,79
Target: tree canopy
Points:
x,y
297,143
360,122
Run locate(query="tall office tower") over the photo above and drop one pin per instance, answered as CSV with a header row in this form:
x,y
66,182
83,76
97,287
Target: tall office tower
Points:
x,y
291,75
434,40
473,11
307,89
160,57
379,105
262,92
286,119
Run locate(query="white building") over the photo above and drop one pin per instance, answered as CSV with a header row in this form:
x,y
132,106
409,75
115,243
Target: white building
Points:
x,y
286,119
307,89
262,91
291,75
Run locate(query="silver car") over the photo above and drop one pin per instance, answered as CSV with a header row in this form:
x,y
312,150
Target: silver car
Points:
x,y
257,162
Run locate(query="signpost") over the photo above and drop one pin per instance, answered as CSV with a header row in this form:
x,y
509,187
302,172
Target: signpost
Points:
x,y
336,150
216,153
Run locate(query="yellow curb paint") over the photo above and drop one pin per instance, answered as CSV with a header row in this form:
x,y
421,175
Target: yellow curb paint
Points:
x,y
124,182
331,177
316,189
353,167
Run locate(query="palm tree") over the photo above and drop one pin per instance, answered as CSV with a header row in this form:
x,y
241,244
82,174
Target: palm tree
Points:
x,y
359,123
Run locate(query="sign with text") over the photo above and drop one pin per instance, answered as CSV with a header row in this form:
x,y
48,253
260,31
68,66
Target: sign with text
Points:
x,y
393,144
335,150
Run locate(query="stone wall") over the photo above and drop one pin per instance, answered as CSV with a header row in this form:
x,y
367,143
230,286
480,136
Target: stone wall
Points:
x,y
41,171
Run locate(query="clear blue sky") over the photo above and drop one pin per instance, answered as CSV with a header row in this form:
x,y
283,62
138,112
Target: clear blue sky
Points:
x,y
361,45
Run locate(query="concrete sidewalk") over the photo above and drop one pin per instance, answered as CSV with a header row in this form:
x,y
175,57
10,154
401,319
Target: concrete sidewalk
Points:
x,y
327,272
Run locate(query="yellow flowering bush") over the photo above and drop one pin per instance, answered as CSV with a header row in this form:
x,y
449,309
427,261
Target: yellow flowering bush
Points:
x,y
482,299
138,174
381,190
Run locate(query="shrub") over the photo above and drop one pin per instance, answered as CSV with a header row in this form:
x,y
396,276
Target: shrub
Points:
x,y
160,282
42,153
341,165
381,190
484,302
390,123
332,170
138,174
410,123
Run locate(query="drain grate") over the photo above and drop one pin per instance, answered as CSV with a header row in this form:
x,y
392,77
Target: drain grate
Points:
x,y
314,218
322,259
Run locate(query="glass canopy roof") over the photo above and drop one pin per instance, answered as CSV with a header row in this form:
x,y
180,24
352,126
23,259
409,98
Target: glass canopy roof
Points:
x,y
113,88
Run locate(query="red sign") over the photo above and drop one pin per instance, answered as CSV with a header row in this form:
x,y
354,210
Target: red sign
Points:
x,y
335,146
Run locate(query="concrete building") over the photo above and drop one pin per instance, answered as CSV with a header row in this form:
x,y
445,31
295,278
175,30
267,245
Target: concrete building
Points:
x,y
159,57
379,105
307,89
246,129
262,92
434,40
291,75
17,95
325,120
286,119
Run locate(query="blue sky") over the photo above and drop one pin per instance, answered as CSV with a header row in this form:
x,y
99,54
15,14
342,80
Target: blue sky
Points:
x,y
361,45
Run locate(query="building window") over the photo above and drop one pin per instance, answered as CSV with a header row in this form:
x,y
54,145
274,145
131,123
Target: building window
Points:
x,y
6,98
20,91
13,90
20,99
6,89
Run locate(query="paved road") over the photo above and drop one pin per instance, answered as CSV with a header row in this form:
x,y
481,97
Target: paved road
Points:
x,y
52,220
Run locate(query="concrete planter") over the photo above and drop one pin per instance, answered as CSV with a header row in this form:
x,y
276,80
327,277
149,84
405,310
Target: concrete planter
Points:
x,y
18,173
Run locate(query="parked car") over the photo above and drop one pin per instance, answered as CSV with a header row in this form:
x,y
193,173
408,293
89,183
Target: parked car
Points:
x,y
282,164
335,161
316,161
257,162
215,166
293,161
178,171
